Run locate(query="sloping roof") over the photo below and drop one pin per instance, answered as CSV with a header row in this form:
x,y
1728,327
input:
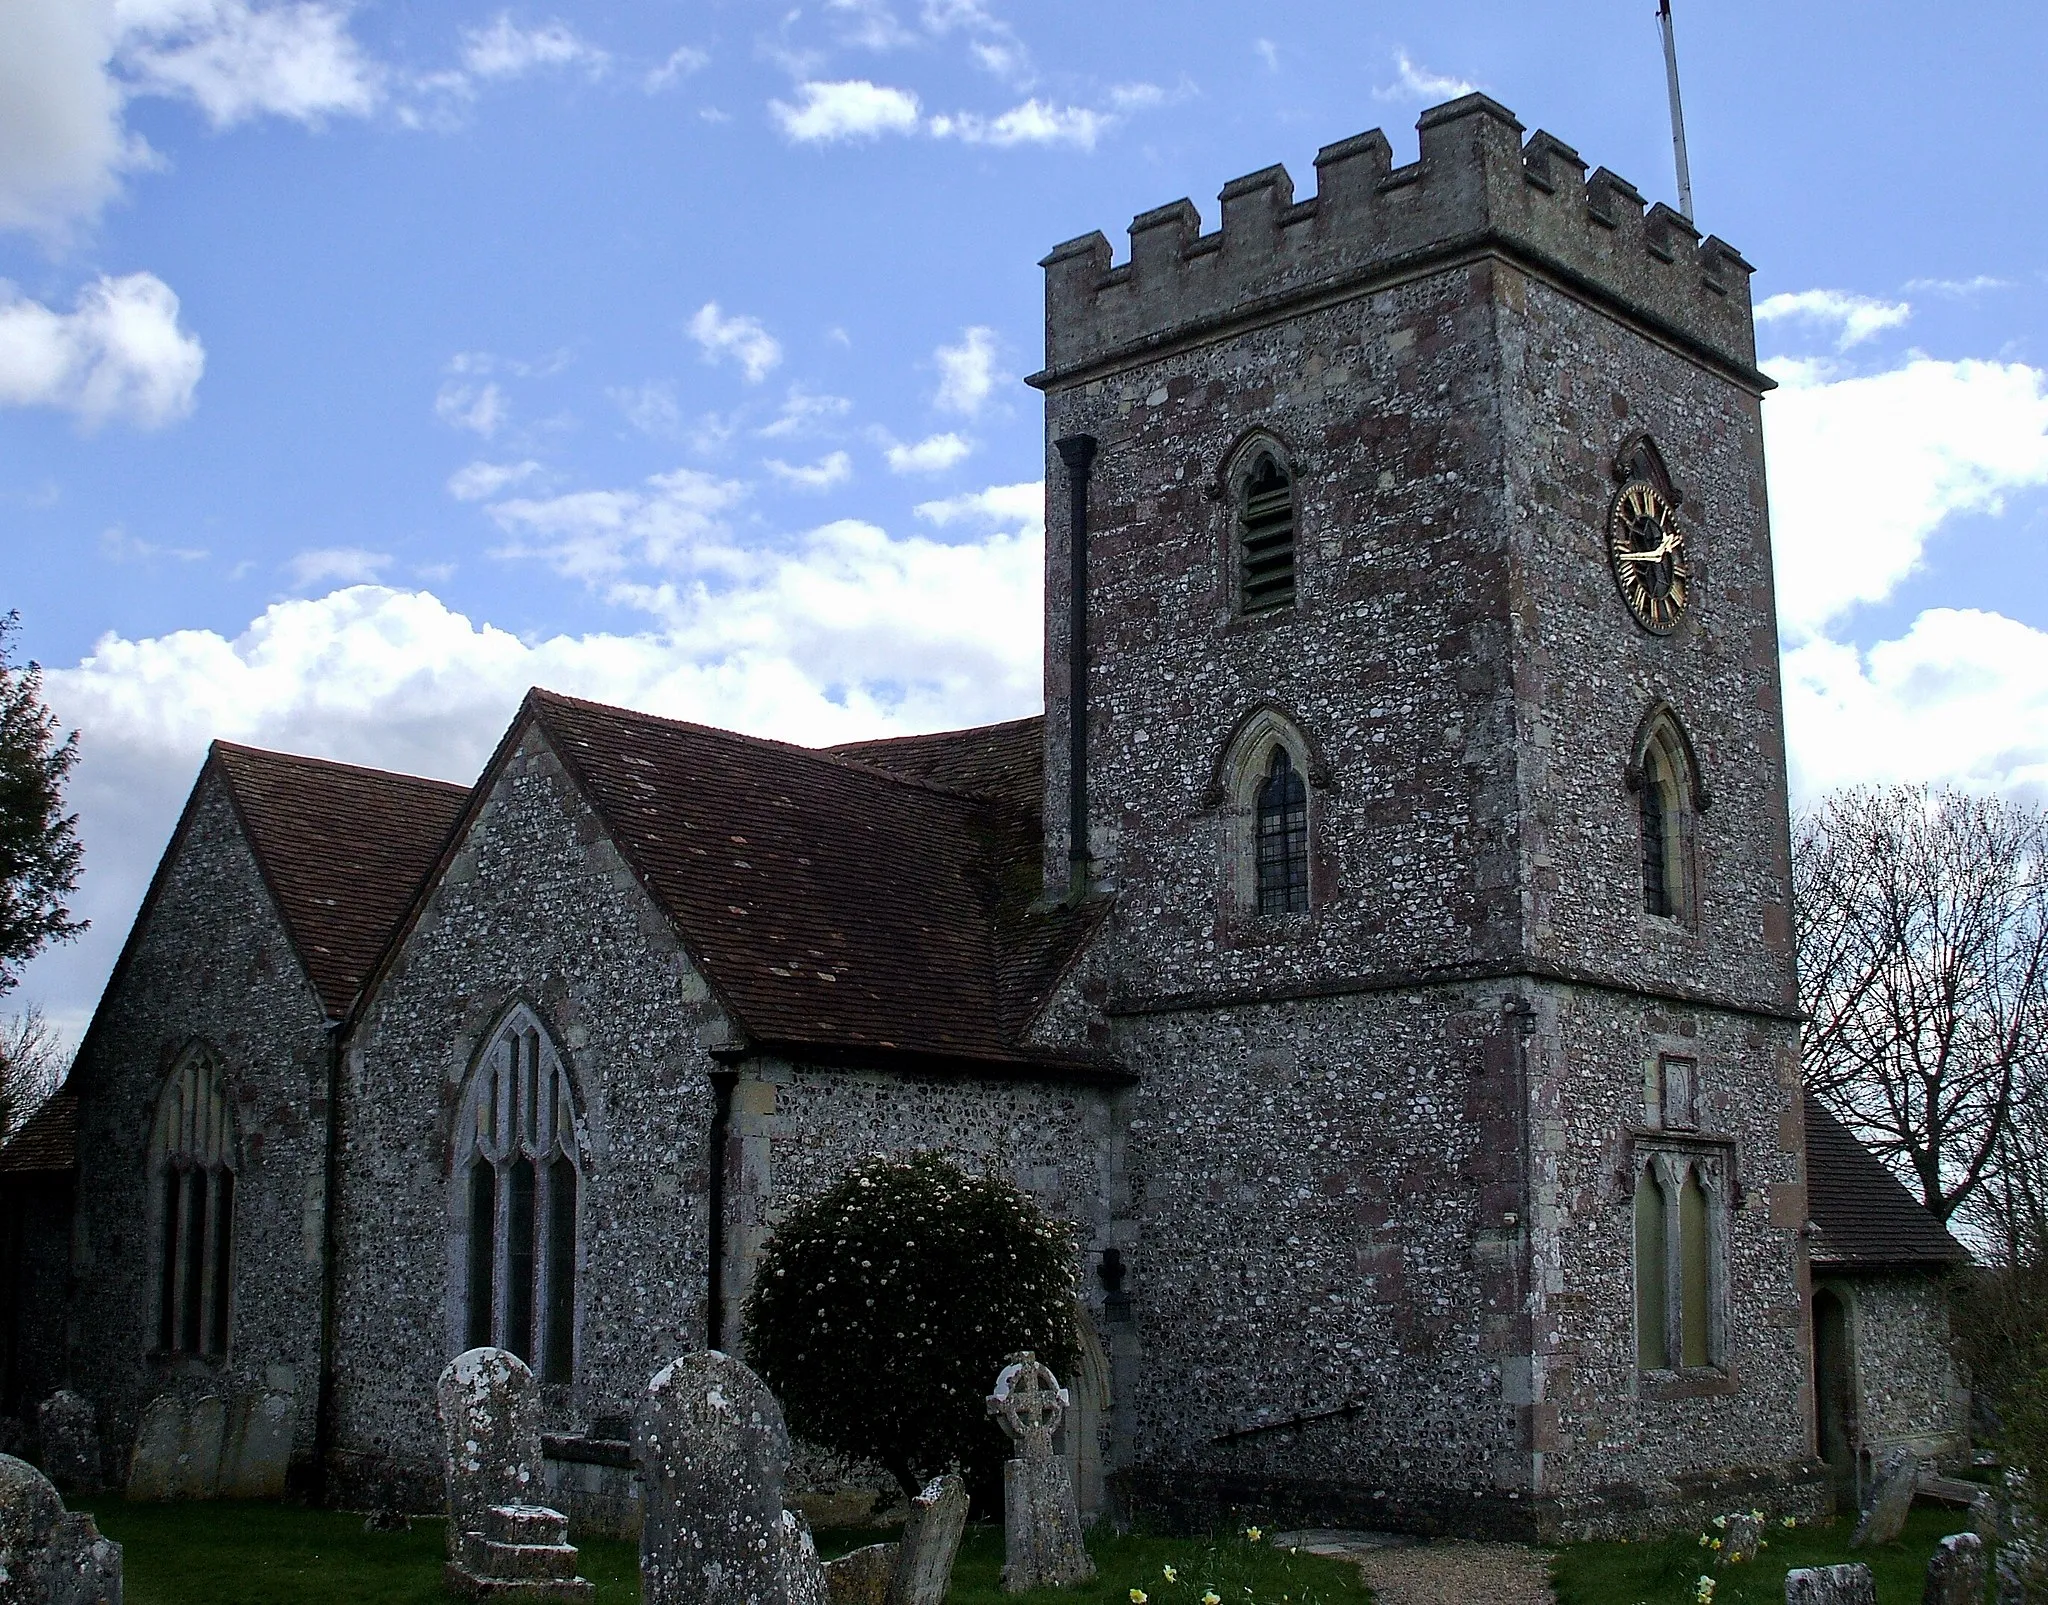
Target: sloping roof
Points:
x,y
1003,761
833,903
47,1142
343,849
1861,1214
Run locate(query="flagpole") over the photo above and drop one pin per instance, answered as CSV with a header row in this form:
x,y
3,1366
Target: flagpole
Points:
x,y
1677,111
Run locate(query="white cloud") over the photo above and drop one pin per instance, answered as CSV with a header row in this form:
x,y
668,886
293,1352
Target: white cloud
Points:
x,y
118,546
1036,122
834,468
62,144
675,523
802,412
479,408
1014,506
118,354
870,25
1415,82
650,408
740,337
1873,465
237,60
1959,288
479,481
1854,318
1268,52
851,109
349,565
506,50
682,62
932,455
966,371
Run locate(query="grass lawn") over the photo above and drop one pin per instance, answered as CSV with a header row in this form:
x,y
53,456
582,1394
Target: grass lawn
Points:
x,y
261,1554
1665,1572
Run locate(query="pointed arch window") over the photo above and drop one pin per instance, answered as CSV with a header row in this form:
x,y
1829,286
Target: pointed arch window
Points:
x,y
1265,533
1668,798
1282,835
1680,1283
519,1185
192,1161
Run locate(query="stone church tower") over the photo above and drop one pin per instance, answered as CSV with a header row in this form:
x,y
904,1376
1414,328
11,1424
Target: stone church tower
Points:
x,y
1433,753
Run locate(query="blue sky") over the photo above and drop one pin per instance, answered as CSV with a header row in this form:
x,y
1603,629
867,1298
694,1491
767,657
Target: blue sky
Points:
x,y
362,365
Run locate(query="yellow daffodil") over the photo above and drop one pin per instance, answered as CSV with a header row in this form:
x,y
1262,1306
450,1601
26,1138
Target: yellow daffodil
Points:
x,y
1137,1596
1169,1574
1254,1534
1211,1597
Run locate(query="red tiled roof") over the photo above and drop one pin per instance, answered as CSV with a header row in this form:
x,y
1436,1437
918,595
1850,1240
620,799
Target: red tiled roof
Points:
x,y
46,1142
344,850
1004,761
833,903
1861,1214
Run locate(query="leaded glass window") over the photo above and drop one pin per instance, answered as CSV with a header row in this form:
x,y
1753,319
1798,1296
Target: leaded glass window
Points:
x,y
1282,838
192,1165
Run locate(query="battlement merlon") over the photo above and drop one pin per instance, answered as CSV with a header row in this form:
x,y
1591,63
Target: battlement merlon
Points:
x,y
1477,187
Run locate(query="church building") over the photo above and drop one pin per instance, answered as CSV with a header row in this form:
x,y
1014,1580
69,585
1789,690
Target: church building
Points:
x,y
1380,949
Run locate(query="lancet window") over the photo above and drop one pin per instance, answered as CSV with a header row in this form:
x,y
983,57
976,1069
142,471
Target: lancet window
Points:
x,y
519,1177
192,1161
1265,533
1680,1291
1282,835
1666,804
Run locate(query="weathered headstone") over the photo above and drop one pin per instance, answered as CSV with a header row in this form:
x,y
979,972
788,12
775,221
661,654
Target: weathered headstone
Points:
x,y
501,1545
1741,1535
1957,1572
206,1430
862,1576
1984,1515
68,1436
49,1555
490,1437
931,1540
153,1472
1042,1545
1890,1501
2023,1551
712,1449
261,1427
1830,1585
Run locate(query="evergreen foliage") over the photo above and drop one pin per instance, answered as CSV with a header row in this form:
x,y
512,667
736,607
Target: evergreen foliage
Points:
x,y
882,1312
39,846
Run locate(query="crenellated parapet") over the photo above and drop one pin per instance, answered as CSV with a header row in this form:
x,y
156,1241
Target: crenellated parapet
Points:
x,y
1476,187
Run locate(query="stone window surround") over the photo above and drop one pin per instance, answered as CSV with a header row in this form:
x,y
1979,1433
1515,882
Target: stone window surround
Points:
x,y
193,1135
1712,1159
1240,770
1661,756
495,1092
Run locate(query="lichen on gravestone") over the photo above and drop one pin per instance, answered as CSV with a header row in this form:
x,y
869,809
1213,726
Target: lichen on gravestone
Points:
x,y
1042,1545
1831,1585
68,1442
49,1555
1890,1501
930,1544
153,1470
1956,1573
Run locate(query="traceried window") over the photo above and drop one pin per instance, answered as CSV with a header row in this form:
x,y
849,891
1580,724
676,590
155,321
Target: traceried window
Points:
x,y
1265,534
1282,837
1666,789
519,1177
1679,1284
192,1160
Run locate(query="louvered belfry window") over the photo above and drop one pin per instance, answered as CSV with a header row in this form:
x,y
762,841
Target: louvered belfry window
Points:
x,y
519,1180
1265,537
1283,838
192,1159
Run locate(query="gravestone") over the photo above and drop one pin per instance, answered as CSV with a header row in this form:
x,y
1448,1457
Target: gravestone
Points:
x,y
931,1541
1890,1501
1957,1573
2023,1551
153,1470
713,1450
500,1544
1830,1585
50,1555
1741,1536
258,1453
1042,1545
68,1436
862,1577
1984,1515
206,1430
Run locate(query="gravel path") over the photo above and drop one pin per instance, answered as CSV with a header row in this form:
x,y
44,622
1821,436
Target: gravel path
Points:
x,y
1445,1573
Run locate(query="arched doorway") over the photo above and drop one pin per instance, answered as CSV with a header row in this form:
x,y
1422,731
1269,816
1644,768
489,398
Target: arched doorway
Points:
x,y
1834,1398
1087,1414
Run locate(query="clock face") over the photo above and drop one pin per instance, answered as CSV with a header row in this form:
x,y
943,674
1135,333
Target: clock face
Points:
x,y
1647,550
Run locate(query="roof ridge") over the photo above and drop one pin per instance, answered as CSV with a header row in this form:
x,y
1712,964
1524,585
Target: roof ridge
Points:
x,y
823,755
273,754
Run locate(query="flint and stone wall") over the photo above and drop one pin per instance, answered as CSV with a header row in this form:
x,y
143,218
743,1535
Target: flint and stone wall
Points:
x,y
210,963
1909,1391
1417,1098
536,907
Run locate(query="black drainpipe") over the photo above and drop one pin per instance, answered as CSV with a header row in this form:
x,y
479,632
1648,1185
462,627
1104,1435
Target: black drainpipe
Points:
x,y
330,1259
1078,453
722,1083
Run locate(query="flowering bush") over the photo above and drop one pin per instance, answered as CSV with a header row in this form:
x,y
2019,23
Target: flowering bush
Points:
x,y
882,1310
